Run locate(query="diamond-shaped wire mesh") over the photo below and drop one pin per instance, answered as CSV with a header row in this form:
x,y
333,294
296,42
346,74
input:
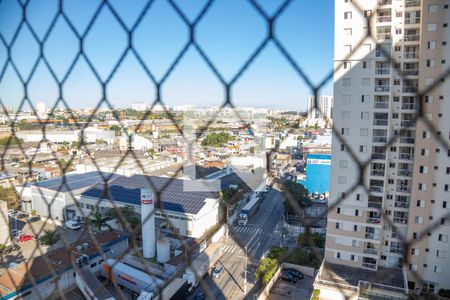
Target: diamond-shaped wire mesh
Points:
x,y
42,40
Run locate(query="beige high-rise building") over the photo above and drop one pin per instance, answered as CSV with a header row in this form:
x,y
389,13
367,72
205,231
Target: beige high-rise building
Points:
x,y
409,181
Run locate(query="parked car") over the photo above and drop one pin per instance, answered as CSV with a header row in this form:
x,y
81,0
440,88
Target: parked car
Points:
x,y
74,225
21,215
200,296
294,273
25,237
217,271
15,232
288,277
33,219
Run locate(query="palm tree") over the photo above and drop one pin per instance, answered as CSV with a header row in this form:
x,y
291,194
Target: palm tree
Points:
x,y
98,220
49,238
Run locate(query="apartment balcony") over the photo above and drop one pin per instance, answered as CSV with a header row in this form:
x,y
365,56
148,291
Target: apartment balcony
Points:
x,y
381,105
412,72
406,156
382,71
409,106
412,55
377,189
403,189
374,204
377,172
401,204
380,122
384,19
409,89
369,266
412,3
380,53
372,251
384,36
384,2
412,21
378,155
405,173
407,140
373,220
397,250
400,220
411,38
372,236
382,88
406,123
379,139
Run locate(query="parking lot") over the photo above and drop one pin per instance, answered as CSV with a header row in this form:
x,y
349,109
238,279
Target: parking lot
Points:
x,y
301,290
31,248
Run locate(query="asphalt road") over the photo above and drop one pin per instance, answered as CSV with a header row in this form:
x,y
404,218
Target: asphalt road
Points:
x,y
262,232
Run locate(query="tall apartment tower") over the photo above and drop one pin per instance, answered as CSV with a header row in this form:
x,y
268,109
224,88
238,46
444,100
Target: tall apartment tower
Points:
x,y
409,180
322,115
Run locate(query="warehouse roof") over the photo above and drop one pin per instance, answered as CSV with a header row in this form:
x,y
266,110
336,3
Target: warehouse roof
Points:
x,y
75,181
173,195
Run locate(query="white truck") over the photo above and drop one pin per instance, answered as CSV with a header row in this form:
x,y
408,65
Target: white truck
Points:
x,y
249,210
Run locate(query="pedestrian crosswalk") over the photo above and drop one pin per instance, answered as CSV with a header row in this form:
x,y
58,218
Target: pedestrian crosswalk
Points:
x,y
230,248
246,229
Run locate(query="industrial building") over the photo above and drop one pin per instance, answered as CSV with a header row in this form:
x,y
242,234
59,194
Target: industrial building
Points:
x,y
191,213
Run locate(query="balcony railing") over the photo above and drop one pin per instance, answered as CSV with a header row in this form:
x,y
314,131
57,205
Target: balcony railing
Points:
x,y
384,19
382,71
374,220
379,53
400,220
373,204
406,173
379,139
406,156
410,89
414,20
370,251
408,106
372,236
380,122
407,140
412,3
378,189
403,189
384,2
369,266
412,72
382,88
381,105
396,250
406,123
411,37
378,156
412,54
384,36
377,172
401,204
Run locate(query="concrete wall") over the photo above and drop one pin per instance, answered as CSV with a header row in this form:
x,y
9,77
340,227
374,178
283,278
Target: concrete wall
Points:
x,y
4,223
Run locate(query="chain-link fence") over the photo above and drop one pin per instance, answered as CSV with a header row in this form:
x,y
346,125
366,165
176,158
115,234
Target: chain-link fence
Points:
x,y
28,274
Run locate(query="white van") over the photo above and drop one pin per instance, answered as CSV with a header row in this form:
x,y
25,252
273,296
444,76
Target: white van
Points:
x,y
74,225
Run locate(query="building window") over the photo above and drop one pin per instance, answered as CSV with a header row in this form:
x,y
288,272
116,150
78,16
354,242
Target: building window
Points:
x,y
363,148
346,82
345,131
431,45
348,31
342,147
438,269
431,27
431,63
346,65
343,164
432,8
342,179
442,238
358,197
363,132
347,15
365,81
365,115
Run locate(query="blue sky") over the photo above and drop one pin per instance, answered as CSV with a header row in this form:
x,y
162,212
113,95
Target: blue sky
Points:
x,y
230,31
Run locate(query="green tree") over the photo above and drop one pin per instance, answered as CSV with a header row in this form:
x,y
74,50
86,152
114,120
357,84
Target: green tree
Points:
x,y
33,212
2,249
49,238
98,220
217,139
129,214
298,193
116,129
314,240
266,269
229,196
12,140
10,196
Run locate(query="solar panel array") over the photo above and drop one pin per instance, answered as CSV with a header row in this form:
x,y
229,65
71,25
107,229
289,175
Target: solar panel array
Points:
x,y
75,182
170,193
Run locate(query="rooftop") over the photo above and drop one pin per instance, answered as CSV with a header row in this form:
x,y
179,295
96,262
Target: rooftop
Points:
x,y
172,195
75,181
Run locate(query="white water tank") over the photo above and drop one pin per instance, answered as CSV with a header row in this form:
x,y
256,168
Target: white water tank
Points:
x,y
163,250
